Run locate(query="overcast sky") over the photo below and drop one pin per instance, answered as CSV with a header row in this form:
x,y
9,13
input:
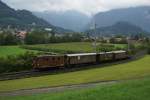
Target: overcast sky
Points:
x,y
84,6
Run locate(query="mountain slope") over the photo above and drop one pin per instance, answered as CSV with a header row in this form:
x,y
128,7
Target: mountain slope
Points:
x,y
139,16
123,28
69,19
9,16
23,19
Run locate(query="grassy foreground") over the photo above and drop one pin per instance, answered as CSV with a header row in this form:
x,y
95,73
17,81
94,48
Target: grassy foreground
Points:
x,y
11,50
135,69
131,90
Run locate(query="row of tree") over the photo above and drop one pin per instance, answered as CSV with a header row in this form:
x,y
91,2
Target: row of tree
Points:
x,y
38,37
43,37
7,38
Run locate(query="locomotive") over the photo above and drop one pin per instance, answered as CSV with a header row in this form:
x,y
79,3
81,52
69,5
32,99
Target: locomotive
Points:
x,y
61,61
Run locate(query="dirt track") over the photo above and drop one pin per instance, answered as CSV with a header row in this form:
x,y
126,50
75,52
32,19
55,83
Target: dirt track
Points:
x,y
55,89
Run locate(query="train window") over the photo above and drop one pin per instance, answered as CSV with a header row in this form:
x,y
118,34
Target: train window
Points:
x,y
58,58
79,58
46,59
53,59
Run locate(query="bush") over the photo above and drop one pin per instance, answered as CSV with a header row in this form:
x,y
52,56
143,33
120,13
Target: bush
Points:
x,y
149,50
50,50
107,48
17,63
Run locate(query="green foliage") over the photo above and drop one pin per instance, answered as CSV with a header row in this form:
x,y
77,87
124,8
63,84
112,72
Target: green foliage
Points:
x,y
75,37
43,37
121,41
7,38
148,48
136,47
37,37
107,48
147,40
17,63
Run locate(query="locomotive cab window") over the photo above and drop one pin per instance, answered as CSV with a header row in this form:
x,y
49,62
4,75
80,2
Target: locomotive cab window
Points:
x,y
53,59
79,58
46,59
58,58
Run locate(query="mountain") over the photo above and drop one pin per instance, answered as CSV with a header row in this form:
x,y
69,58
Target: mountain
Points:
x,y
123,28
71,19
139,16
22,19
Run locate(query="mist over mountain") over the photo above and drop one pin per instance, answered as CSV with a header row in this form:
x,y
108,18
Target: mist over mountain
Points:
x,y
71,19
119,28
139,16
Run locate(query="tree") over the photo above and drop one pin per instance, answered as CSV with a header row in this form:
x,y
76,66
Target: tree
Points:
x,y
8,38
37,37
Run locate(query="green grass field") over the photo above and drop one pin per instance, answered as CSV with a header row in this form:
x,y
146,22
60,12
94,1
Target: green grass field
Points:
x,y
135,69
74,47
11,50
129,90
69,47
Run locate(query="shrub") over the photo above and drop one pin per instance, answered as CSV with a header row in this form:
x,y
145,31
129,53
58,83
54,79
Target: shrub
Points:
x,y
107,48
17,63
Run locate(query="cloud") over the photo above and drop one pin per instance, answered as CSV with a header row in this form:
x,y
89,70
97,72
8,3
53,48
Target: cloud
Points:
x,y
84,6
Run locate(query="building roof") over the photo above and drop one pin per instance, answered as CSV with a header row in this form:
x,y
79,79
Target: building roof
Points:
x,y
82,54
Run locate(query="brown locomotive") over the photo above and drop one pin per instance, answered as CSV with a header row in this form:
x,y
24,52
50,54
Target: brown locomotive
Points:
x,y
47,61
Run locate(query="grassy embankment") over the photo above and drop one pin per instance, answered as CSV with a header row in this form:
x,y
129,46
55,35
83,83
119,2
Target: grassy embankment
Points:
x,y
135,69
130,90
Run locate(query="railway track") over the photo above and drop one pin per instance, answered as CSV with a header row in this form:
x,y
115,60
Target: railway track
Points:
x,y
36,73
16,75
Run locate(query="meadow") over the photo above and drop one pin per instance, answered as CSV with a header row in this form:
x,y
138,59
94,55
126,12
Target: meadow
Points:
x,y
128,90
57,47
131,70
74,47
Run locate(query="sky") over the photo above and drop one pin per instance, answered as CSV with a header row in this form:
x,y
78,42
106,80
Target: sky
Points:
x,y
88,7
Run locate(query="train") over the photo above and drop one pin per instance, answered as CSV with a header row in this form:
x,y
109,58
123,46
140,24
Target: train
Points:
x,y
67,60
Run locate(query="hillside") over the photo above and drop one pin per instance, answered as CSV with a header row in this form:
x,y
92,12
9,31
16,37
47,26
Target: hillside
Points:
x,y
9,16
139,16
22,19
124,28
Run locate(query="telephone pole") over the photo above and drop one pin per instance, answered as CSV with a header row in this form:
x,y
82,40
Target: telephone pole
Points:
x,y
93,28
95,46
129,42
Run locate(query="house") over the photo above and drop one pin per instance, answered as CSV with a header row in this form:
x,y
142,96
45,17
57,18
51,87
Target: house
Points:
x,y
21,34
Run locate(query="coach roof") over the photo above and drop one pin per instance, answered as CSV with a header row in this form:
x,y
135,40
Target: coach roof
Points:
x,y
81,54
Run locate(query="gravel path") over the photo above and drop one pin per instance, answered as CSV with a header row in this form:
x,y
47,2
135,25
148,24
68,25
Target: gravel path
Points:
x,y
55,89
